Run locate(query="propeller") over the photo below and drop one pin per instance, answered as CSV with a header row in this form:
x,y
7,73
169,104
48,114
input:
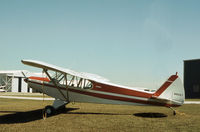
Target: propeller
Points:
x,y
26,79
23,74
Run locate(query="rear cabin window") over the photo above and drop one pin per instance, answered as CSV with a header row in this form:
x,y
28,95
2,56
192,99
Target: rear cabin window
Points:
x,y
89,85
73,81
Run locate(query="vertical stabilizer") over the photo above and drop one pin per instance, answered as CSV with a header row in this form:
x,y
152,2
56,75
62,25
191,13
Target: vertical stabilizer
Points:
x,y
172,90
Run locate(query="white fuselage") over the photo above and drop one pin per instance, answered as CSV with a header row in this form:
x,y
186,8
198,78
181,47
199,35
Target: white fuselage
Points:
x,y
95,95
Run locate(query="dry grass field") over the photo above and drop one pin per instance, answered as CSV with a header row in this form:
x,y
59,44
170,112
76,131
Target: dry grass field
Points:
x,y
26,116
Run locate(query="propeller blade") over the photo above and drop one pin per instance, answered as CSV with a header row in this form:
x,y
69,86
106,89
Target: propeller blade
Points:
x,y
24,74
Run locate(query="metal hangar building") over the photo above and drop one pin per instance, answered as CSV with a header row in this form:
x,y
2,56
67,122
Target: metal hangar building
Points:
x,y
13,81
192,78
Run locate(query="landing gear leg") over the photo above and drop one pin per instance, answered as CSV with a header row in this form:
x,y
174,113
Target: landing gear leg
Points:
x,y
174,111
57,104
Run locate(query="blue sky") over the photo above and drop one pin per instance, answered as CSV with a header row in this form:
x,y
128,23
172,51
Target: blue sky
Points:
x,y
131,42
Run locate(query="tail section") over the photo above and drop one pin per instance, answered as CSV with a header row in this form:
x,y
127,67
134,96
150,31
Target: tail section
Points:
x,y
172,91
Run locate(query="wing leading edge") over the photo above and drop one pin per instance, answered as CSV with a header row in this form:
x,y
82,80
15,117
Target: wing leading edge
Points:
x,y
47,66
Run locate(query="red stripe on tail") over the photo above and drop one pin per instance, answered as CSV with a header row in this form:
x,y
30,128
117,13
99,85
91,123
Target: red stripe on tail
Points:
x,y
165,85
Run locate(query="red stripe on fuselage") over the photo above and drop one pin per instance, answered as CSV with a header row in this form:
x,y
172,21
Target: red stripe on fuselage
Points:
x,y
117,98
40,78
110,97
118,90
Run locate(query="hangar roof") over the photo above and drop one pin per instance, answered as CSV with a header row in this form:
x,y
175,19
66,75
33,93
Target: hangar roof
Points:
x,y
192,60
18,73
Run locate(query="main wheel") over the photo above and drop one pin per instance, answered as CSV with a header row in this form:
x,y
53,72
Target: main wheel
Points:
x,y
49,110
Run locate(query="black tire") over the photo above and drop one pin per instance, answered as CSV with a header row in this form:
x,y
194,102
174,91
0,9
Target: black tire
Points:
x,y
49,110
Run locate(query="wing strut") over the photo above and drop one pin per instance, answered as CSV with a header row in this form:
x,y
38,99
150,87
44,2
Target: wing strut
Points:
x,y
66,98
67,88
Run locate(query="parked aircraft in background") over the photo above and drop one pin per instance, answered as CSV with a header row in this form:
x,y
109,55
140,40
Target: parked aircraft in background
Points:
x,y
68,86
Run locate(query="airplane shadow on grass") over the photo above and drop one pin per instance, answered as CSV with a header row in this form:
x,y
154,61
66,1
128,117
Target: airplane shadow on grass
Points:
x,y
150,115
20,117
28,116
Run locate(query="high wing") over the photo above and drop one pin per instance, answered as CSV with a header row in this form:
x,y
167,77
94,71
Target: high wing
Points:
x,y
67,86
43,65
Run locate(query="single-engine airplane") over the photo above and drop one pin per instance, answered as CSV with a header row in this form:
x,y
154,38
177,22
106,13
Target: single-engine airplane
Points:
x,y
68,86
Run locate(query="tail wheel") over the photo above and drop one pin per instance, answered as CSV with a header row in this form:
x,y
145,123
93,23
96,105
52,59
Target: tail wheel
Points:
x,y
49,110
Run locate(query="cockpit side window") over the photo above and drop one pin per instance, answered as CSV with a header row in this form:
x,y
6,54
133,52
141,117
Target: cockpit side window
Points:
x,y
73,81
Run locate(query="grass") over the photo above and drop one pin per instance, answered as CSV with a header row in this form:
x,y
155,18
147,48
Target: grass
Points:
x,y
26,115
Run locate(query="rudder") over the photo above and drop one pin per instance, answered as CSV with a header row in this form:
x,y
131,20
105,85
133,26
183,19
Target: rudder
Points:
x,y
172,90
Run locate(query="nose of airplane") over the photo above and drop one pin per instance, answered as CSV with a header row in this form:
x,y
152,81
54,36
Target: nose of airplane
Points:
x,y
26,80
